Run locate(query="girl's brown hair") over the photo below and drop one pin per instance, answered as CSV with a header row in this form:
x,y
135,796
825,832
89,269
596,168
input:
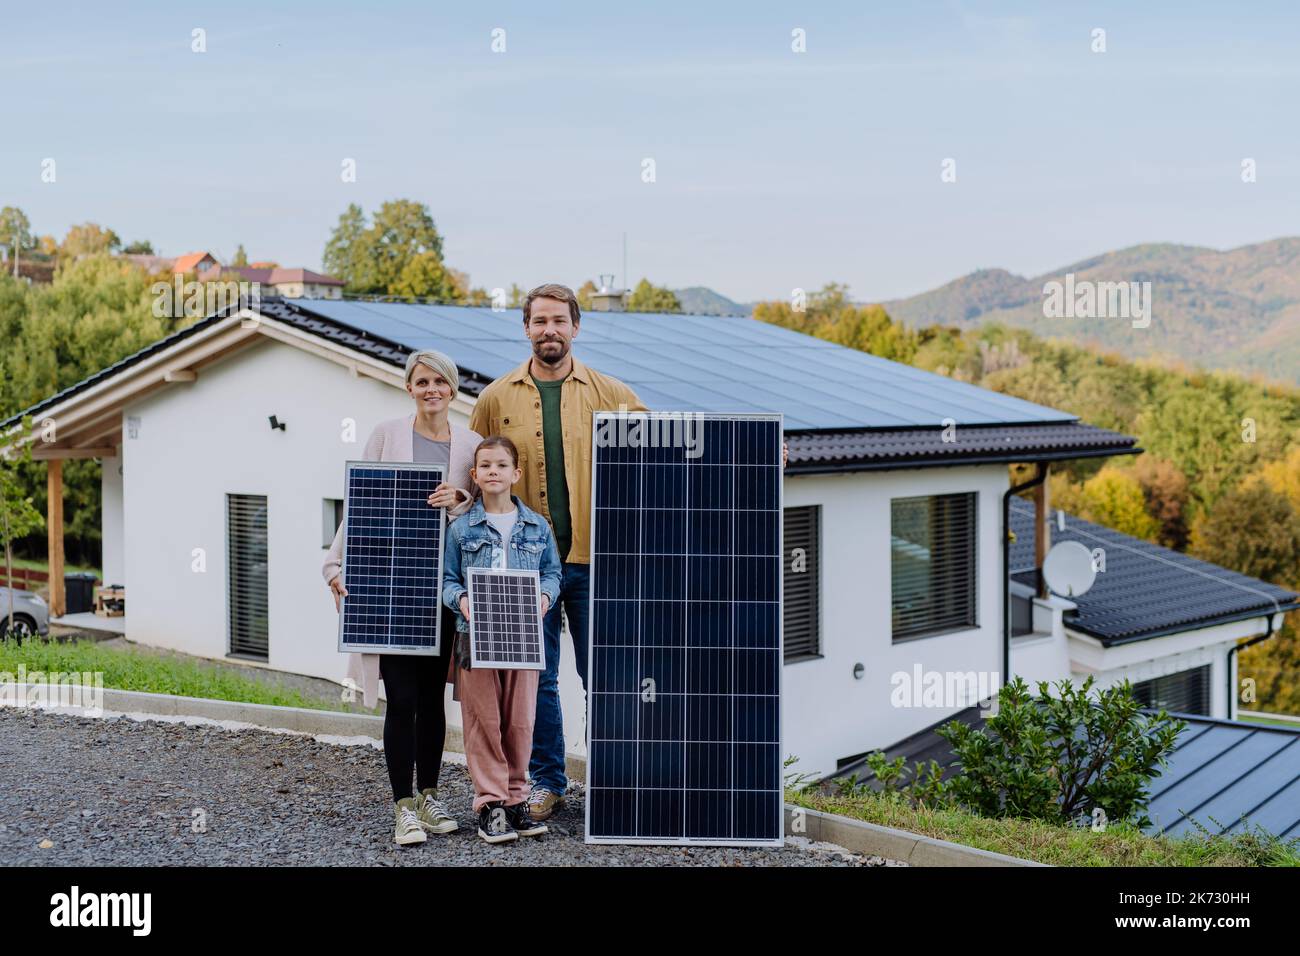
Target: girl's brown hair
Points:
x,y
498,441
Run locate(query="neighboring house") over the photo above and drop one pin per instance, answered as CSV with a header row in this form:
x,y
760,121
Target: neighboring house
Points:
x,y
273,280
194,262
149,263
894,495
288,283
1165,621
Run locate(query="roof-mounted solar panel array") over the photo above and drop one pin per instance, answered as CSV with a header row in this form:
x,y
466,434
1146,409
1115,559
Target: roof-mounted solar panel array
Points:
x,y
724,364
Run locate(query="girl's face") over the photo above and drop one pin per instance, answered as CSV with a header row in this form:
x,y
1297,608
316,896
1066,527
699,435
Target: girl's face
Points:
x,y
494,471
430,390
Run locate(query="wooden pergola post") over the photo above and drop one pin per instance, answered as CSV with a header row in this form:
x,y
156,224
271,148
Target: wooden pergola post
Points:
x,y
54,529
1042,527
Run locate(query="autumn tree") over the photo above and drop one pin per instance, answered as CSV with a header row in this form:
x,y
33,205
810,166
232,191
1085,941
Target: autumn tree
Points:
x,y
652,298
398,251
88,239
1164,489
1252,529
15,235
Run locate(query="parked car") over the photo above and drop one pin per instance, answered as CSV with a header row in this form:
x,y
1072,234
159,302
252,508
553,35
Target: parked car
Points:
x,y
31,614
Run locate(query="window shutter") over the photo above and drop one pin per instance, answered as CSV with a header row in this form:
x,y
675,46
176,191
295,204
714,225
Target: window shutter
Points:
x,y
932,544
1187,692
802,588
246,552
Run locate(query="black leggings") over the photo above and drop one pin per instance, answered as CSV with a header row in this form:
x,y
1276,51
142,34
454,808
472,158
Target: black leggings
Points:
x,y
415,723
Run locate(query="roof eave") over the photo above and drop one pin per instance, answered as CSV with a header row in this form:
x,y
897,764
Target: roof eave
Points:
x,y
931,461
1197,625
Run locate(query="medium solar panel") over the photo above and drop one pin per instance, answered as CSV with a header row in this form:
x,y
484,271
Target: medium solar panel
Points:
x,y
684,673
392,559
505,622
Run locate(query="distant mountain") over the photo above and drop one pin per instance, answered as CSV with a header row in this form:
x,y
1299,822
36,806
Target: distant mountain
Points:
x,y
1237,309
698,300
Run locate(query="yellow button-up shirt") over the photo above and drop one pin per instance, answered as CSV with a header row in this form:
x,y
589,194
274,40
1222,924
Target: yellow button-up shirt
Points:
x,y
512,406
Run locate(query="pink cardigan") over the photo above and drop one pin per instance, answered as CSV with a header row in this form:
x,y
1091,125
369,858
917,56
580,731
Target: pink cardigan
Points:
x,y
391,441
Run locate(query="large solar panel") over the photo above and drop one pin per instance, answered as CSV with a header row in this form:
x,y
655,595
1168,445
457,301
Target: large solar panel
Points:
x,y
684,673
505,621
392,559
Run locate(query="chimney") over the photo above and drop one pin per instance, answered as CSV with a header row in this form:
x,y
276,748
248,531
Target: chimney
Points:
x,y
606,298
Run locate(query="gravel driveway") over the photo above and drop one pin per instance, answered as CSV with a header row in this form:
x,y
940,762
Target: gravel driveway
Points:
x,y
125,792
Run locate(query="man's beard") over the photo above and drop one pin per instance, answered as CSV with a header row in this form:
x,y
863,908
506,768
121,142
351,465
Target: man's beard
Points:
x,y
557,358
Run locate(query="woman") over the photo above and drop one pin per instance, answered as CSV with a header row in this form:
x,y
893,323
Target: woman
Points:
x,y
415,722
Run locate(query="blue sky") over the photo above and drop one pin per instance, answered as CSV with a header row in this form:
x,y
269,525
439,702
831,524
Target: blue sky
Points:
x,y
774,170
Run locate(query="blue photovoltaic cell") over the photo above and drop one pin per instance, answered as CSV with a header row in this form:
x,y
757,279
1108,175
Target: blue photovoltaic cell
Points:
x,y
684,673
392,559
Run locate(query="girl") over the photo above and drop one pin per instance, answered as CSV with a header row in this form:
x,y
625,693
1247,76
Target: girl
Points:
x,y
415,724
498,705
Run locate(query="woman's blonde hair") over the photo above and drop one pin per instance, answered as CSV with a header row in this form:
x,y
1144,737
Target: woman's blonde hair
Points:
x,y
439,362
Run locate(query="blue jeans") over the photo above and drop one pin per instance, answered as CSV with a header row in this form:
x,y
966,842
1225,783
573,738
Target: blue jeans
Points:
x,y
546,768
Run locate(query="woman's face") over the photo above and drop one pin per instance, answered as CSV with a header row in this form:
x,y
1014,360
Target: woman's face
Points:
x,y
430,390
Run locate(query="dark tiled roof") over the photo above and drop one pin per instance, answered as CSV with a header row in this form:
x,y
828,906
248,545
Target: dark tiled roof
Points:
x,y
1219,772
275,308
811,452
1146,590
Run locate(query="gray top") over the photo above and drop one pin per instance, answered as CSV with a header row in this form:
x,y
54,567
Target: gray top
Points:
x,y
428,452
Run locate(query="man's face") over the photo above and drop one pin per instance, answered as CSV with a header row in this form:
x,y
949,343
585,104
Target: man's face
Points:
x,y
551,329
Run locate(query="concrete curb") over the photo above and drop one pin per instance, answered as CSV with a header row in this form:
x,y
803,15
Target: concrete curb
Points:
x,y
875,840
854,835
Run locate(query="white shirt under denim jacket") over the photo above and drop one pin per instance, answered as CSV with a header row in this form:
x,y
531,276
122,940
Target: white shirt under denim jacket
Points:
x,y
472,543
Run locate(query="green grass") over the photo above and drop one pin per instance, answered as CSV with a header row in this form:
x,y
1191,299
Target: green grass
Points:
x,y
32,564
145,670
1250,718
1057,845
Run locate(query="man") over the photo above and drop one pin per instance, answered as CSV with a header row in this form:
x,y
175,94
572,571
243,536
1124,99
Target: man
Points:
x,y
545,407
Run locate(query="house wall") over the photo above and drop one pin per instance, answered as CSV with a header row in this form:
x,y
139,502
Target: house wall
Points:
x,y
112,554
199,441
829,714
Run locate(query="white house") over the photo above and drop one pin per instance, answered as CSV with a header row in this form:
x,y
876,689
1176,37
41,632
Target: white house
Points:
x,y
216,522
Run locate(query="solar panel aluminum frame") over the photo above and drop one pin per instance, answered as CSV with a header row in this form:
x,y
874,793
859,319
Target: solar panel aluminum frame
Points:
x,y
435,649
496,665
779,823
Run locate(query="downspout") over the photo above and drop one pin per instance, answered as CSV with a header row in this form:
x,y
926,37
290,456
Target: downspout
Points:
x,y
1232,689
1038,479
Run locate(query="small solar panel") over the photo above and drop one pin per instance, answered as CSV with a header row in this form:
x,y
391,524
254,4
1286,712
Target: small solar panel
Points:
x,y
505,623
392,559
684,673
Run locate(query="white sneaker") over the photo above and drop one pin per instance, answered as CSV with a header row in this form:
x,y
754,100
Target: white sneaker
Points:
x,y
408,824
432,812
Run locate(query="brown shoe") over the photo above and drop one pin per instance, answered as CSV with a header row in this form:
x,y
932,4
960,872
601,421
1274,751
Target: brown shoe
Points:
x,y
542,803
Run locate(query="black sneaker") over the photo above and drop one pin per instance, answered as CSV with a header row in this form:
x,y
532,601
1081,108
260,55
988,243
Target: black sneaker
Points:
x,y
494,823
523,823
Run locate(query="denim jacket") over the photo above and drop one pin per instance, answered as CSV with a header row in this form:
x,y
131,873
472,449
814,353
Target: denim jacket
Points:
x,y
470,543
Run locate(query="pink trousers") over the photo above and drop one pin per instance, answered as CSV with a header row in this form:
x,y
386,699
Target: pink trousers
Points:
x,y
497,708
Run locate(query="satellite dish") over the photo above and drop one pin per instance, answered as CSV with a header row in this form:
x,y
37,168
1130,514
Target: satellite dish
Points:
x,y
1068,569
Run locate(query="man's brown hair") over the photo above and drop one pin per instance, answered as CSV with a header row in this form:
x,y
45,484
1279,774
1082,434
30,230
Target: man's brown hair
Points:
x,y
553,290
498,441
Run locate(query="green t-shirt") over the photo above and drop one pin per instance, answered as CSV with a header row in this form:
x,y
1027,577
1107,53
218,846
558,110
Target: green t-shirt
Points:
x,y
557,488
